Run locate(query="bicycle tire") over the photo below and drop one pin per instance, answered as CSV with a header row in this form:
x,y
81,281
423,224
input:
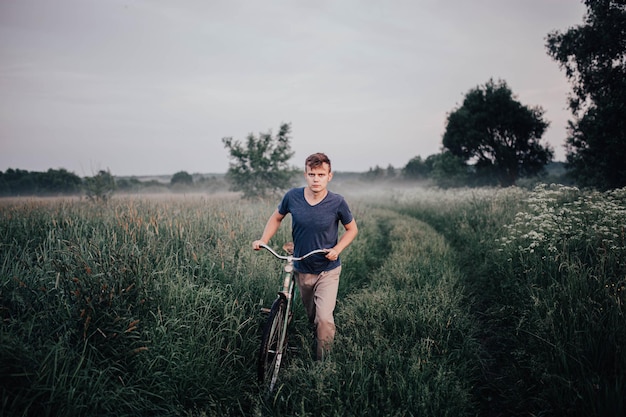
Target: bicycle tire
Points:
x,y
272,334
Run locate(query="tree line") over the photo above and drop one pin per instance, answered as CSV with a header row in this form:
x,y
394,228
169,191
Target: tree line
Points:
x,y
19,182
53,181
98,187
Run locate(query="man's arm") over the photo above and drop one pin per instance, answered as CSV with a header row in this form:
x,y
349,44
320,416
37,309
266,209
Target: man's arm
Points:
x,y
271,227
346,238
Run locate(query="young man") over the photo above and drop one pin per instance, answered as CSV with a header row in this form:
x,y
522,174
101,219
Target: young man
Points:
x,y
316,214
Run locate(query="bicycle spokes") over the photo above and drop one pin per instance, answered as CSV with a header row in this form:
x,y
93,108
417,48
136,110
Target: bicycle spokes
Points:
x,y
273,344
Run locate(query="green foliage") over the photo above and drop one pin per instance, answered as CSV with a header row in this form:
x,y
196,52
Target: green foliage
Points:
x,y
100,187
261,169
129,184
545,271
444,170
448,170
593,57
378,173
500,134
53,181
569,247
417,168
181,178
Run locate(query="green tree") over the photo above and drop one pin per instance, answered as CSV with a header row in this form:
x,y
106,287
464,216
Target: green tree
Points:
x,y
416,168
53,181
100,187
376,173
448,170
181,177
593,56
260,168
59,181
499,134
19,182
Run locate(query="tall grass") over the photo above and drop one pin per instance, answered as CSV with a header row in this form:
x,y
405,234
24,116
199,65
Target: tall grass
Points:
x,y
451,303
545,271
569,247
151,307
135,307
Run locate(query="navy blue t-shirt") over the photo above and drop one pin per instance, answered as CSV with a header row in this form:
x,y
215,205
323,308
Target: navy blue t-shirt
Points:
x,y
314,227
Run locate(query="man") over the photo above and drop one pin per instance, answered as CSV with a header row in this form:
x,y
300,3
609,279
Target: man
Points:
x,y
316,214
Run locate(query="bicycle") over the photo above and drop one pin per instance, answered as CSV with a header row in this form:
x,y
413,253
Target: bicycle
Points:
x,y
274,338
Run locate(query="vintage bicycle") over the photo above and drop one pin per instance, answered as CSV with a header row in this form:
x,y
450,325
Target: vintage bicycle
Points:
x,y
274,337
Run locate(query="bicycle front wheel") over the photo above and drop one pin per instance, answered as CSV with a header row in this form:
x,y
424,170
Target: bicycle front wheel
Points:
x,y
273,344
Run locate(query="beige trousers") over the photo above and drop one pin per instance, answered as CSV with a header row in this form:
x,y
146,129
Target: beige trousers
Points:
x,y
319,296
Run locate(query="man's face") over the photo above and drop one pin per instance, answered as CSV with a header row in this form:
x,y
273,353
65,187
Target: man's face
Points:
x,y
318,178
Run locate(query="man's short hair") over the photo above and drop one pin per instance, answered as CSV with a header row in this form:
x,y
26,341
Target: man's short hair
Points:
x,y
317,160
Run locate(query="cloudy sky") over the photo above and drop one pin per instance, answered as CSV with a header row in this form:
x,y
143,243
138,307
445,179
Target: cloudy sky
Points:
x,y
146,87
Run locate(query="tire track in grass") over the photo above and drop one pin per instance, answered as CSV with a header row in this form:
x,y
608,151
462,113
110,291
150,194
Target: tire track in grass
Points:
x,y
367,253
411,313
404,345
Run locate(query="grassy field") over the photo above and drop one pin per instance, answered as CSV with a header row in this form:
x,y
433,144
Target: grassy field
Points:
x,y
452,303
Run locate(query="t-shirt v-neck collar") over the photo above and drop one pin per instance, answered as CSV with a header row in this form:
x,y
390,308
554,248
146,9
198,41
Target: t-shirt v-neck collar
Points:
x,y
314,203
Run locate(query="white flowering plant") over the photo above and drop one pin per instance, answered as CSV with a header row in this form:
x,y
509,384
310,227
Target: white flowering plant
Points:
x,y
564,226
561,218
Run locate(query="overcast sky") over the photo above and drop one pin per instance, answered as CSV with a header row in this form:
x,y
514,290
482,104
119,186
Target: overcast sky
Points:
x,y
146,87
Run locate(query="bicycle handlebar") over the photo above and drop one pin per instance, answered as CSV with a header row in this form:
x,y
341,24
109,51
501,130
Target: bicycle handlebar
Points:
x,y
293,258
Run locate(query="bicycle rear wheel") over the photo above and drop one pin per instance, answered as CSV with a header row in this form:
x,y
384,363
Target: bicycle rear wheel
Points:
x,y
272,350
